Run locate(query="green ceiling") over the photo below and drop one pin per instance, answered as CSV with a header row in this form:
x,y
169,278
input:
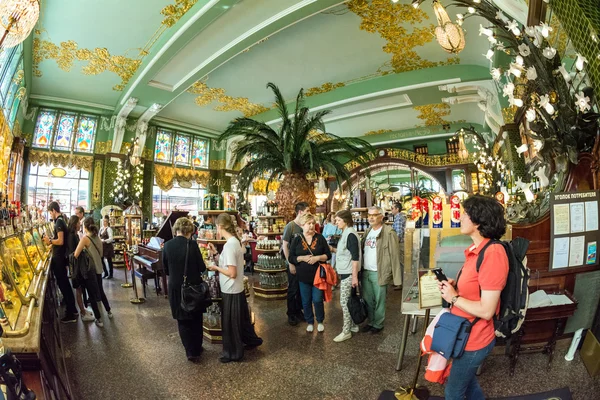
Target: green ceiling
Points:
x,y
235,47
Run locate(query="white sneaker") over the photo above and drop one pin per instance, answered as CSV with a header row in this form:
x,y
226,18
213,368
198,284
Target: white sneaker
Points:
x,y
99,323
110,314
320,327
342,336
310,328
88,317
354,329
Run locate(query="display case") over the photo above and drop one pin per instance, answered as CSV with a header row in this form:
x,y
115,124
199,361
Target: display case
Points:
x,y
10,301
133,225
17,269
117,224
31,249
37,238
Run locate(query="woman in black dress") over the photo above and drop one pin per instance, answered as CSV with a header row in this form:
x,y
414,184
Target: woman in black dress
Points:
x,y
190,325
306,252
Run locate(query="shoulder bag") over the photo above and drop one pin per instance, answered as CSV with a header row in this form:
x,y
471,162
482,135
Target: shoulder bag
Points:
x,y
195,298
321,270
357,307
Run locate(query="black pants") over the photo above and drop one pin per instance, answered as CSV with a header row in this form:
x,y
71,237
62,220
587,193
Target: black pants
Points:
x,y
59,269
237,326
90,286
294,301
108,272
101,294
190,331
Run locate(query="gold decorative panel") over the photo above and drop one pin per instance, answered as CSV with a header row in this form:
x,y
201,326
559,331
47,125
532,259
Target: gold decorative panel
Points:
x,y
166,176
421,159
97,184
207,95
6,139
217,164
391,21
60,159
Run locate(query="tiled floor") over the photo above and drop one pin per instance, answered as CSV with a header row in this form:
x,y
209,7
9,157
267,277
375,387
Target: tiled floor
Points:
x,y
138,355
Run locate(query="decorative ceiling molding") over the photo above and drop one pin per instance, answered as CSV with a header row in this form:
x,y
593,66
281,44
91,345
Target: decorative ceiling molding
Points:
x,y
201,129
243,37
404,102
389,19
189,23
174,12
121,124
141,131
53,99
324,88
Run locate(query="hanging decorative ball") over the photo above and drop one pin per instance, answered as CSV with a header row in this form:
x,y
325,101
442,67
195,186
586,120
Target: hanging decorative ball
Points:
x,y
553,97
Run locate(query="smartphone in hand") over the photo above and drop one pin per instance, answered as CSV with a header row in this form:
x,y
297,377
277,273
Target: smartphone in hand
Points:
x,y
439,274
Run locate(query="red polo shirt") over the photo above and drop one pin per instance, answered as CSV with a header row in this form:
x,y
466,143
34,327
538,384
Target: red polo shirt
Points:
x,y
492,276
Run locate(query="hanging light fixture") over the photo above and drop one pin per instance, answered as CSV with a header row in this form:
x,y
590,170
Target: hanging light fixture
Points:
x,y
463,153
321,192
17,19
448,34
135,159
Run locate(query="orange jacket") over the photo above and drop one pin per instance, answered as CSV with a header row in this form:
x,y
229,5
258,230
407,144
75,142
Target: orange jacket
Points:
x,y
325,284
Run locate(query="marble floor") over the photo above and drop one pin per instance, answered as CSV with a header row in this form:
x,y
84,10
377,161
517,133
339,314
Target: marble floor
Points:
x,y
138,355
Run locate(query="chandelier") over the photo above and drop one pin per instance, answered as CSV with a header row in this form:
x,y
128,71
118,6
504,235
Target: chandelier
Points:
x,y
448,34
134,158
17,19
321,192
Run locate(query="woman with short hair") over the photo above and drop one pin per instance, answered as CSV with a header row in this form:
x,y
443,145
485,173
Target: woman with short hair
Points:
x,y
347,266
307,250
174,255
236,325
477,294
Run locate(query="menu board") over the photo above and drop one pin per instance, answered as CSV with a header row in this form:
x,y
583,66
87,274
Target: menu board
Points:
x,y
574,229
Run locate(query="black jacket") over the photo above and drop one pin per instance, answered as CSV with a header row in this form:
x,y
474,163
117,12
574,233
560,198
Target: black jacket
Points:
x,y
299,247
173,261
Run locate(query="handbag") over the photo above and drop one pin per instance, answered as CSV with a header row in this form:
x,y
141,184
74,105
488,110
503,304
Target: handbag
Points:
x,y
451,334
195,298
357,307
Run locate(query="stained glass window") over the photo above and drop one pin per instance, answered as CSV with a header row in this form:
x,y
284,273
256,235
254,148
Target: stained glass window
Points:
x,y
64,131
182,149
200,153
84,141
162,152
43,128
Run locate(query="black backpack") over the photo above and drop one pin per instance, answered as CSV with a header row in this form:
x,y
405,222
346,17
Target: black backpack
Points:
x,y
515,295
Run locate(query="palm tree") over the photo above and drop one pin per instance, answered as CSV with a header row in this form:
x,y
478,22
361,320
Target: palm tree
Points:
x,y
300,146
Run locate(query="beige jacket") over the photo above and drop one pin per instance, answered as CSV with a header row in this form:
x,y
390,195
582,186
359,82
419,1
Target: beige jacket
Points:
x,y
388,256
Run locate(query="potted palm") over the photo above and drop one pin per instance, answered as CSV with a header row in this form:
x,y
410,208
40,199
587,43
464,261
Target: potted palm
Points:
x,y
299,146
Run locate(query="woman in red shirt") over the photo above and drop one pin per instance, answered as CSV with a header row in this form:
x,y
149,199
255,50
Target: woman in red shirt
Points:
x,y
477,294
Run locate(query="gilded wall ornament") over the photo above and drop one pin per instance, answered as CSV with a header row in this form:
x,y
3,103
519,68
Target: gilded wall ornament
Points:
x,y
433,114
421,159
390,20
324,88
166,176
217,164
99,60
174,12
379,132
61,159
208,95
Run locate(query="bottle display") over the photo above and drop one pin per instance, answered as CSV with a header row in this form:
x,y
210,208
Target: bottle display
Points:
x,y
267,245
270,262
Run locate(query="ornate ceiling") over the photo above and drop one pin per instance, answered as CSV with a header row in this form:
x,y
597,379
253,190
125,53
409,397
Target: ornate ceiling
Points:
x,y
374,63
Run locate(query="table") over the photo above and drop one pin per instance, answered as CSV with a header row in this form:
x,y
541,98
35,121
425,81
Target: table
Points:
x,y
410,308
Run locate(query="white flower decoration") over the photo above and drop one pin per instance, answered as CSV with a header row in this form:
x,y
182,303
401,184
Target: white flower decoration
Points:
x,y
515,69
538,144
500,46
501,17
513,26
489,54
563,71
492,40
531,73
549,52
530,115
582,101
485,31
545,103
580,62
524,50
508,90
522,149
513,101
544,29
530,31
496,74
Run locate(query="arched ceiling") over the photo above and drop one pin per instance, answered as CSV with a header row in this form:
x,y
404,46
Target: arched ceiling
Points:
x,y
208,61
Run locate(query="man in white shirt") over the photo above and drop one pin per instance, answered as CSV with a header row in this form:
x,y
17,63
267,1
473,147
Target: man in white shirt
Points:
x,y
381,266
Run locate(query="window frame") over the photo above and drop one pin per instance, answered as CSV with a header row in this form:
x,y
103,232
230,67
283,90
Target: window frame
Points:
x,y
58,114
192,140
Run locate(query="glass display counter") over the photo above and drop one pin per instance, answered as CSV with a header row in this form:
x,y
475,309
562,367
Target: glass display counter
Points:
x,y
37,238
32,250
17,268
10,302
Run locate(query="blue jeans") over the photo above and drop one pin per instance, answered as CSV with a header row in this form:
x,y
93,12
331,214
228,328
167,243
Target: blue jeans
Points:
x,y
462,383
311,295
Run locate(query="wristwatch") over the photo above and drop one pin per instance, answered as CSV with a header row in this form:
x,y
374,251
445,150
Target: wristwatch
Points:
x,y
454,299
